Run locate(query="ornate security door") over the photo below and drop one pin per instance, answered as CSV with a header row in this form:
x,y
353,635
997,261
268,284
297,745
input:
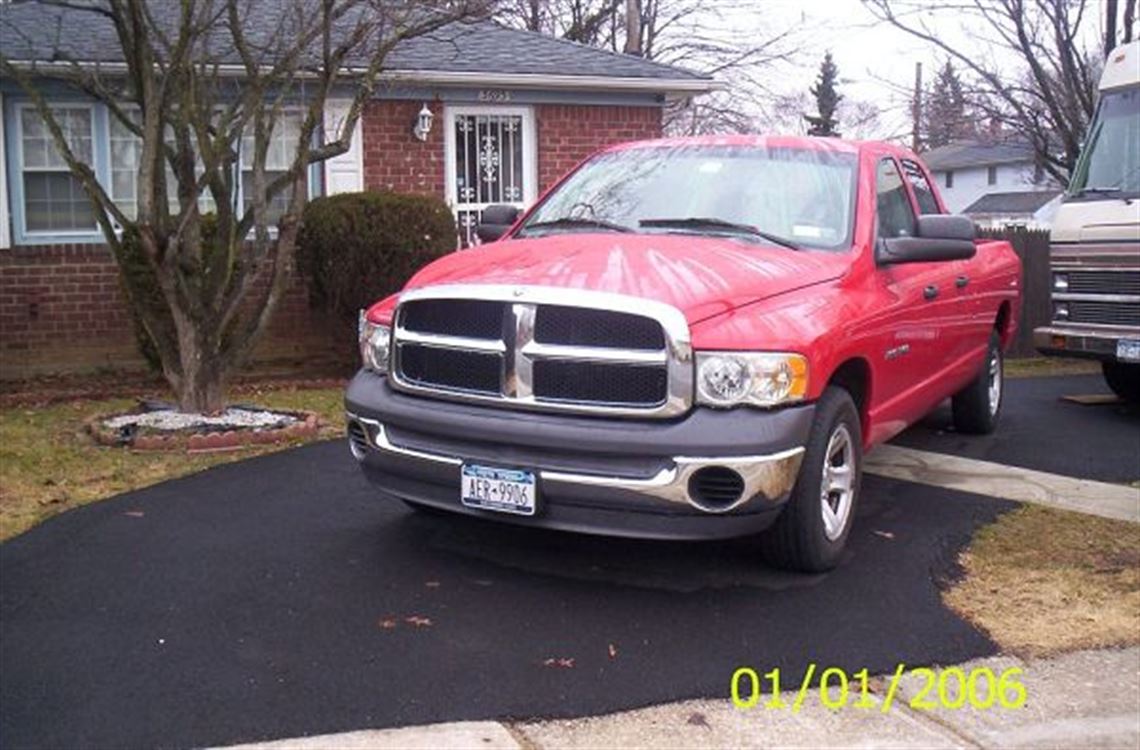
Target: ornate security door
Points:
x,y
490,160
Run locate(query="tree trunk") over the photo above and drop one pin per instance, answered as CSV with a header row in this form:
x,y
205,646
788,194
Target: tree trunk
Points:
x,y
202,384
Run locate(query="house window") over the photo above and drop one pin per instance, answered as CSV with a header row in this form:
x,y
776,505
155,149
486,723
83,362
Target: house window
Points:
x,y
283,142
991,175
126,152
949,178
54,200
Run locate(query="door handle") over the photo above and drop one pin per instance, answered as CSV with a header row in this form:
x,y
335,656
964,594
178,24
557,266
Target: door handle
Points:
x,y
962,281
930,292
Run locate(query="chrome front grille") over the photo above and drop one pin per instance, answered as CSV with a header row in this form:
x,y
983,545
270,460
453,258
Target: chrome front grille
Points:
x,y
1104,282
544,349
1105,313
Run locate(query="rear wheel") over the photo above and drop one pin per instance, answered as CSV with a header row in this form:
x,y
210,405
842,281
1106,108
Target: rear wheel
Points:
x,y
1124,379
977,406
812,530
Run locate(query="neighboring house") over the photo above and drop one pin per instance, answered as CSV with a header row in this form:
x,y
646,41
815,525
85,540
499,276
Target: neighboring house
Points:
x,y
511,112
967,170
1030,209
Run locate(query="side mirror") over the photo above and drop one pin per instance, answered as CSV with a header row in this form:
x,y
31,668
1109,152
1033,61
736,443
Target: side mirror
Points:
x,y
940,237
495,222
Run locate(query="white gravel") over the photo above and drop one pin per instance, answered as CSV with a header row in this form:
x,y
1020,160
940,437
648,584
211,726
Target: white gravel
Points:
x,y
180,420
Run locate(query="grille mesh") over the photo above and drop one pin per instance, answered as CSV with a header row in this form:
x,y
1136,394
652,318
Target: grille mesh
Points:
x,y
451,369
582,326
1104,282
477,319
596,382
1105,313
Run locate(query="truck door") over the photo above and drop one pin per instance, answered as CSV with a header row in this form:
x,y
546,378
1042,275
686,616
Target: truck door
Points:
x,y
919,333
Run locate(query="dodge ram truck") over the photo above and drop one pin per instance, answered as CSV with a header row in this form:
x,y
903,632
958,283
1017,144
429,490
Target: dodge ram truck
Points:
x,y
688,338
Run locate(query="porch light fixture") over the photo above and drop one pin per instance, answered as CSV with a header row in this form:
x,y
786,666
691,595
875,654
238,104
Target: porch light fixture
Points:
x,y
423,123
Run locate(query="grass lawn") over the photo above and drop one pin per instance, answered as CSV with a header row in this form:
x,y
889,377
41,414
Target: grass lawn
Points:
x,y
48,464
1042,581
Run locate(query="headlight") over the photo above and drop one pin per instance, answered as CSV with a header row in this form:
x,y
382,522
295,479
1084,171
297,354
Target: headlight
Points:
x,y
727,379
1060,311
374,344
1060,282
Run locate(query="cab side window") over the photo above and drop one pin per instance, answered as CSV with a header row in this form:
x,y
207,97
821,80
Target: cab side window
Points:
x,y
923,193
895,214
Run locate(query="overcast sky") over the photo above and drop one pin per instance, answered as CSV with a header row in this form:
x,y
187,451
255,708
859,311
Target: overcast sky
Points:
x,y
876,61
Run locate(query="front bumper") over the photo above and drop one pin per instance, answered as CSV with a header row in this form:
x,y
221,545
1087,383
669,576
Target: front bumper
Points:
x,y
1081,341
615,476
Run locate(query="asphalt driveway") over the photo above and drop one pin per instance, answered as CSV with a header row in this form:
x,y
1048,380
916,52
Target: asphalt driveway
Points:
x,y
280,597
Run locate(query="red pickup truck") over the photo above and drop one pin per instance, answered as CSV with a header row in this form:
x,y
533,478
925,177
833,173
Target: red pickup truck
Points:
x,y
687,338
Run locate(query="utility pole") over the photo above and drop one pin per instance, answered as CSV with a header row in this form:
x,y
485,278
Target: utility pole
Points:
x,y
1109,26
916,110
633,28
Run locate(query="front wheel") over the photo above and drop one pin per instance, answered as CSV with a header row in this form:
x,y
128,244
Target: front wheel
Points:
x,y
1124,380
812,529
977,406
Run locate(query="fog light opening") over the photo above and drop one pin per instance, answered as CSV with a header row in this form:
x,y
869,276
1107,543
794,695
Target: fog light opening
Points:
x,y
715,488
357,439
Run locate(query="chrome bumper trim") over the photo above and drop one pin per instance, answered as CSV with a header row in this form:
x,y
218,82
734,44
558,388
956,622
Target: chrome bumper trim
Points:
x,y
771,476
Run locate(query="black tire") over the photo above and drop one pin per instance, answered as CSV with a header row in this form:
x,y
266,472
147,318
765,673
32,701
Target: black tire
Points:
x,y
974,407
799,539
1124,380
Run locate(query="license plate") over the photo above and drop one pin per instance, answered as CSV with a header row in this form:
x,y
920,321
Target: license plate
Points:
x,y
502,490
1128,350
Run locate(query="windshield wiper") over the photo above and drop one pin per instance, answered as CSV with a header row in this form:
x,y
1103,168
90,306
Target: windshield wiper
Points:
x,y
708,222
570,222
1108,190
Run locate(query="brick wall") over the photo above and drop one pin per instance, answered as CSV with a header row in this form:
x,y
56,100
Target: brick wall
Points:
x,y
62,310
394,159
569,133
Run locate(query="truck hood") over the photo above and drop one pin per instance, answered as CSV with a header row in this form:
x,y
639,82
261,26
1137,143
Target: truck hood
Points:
x,y
701,276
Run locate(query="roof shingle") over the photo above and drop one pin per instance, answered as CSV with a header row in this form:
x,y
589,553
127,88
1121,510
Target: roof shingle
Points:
x,y
961,154
1025,202
35,31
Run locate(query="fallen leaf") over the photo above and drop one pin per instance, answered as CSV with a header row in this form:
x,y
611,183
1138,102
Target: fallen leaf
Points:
x,y
885,534
387,623
432,584
417,621
699,720
560,662
134,513
613,651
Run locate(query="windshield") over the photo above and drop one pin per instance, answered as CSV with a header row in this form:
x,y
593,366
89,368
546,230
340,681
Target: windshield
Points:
x,y
1111,162
803,196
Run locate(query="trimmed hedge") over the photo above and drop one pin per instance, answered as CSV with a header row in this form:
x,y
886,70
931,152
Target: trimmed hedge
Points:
x,y
356,248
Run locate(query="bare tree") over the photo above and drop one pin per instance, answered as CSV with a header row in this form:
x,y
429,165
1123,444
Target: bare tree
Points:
x,y
221,98
1039,78
719,39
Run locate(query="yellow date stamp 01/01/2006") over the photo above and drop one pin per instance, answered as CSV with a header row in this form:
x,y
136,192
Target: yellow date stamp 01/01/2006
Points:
x,y
952,688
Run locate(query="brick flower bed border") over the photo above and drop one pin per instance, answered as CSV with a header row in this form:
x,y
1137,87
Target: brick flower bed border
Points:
x,y
194,440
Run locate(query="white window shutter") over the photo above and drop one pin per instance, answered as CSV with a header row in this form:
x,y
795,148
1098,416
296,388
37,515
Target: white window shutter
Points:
x,y
344,173
5,238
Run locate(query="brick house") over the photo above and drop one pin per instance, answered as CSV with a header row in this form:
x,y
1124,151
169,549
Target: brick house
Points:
x,y
511,111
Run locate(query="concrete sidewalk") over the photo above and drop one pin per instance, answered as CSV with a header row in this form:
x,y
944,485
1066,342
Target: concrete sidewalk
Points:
x,y
1088,699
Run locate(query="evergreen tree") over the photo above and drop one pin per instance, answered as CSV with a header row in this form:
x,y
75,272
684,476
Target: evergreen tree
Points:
x,y
827,99
947,114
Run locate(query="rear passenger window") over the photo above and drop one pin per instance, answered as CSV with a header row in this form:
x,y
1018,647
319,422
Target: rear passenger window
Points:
x,y
896,217
923,193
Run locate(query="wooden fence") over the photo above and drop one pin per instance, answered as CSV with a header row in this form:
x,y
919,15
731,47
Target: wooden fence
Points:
x,y
1032,246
